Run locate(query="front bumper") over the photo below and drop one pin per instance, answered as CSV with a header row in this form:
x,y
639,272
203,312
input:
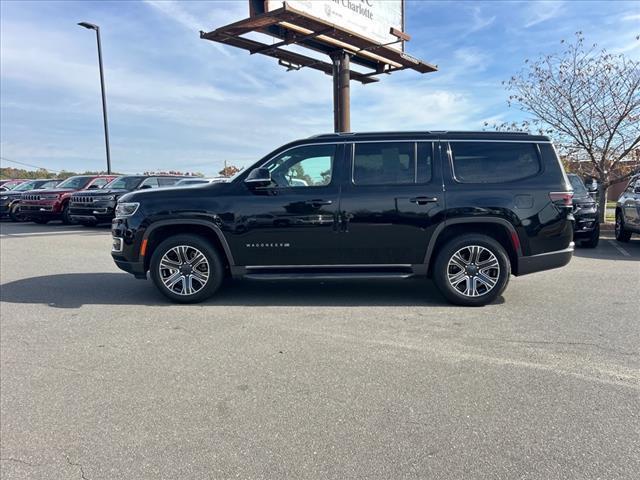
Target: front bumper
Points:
x,y
545,261
135,268
94,213
41,210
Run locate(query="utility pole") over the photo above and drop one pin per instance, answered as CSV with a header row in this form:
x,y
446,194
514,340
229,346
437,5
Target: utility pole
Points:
x,y
91,26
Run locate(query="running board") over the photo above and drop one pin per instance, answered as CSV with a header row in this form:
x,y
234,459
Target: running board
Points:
x,y
325,275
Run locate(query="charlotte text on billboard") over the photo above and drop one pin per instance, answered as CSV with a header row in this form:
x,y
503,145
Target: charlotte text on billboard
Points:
x,y
372,19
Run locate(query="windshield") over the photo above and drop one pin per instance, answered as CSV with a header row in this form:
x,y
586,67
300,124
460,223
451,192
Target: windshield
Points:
x,y
25,186
75,183
124,183
578,185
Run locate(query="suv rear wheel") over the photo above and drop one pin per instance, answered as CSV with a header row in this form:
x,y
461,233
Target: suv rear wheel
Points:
x,y
472,270
622,235
594,238
186,268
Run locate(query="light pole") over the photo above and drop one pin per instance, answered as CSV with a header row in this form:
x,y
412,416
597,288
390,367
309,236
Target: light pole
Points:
x,y
91,26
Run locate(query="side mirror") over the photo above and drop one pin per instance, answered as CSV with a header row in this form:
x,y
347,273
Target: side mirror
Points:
x,y
144,187
93,187
636,189
259,177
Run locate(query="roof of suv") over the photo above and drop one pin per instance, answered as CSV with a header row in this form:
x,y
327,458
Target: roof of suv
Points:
x,y
458,135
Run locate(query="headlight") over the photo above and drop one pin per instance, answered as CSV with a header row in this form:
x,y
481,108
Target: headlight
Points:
x,y
49,197
126,209
108,197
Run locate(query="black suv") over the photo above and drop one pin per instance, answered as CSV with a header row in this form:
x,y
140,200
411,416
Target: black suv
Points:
x,y
91,207
585,211
466,209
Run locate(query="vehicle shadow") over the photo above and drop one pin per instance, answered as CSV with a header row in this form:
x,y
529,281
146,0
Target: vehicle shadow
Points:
x,y
73,290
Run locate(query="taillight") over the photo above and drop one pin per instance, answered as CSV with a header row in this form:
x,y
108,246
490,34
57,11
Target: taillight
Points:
x,y
562,199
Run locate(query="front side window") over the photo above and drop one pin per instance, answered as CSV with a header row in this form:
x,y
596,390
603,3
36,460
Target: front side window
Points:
x,y
167,181
151,182
308,166
493,162
124,183
100,182
75,183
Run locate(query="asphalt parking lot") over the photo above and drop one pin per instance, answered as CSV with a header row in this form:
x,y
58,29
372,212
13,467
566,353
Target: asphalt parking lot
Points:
x,y
101,378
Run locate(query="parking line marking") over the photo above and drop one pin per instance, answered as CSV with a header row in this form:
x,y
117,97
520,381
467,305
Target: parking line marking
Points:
x,y
619,248
25,234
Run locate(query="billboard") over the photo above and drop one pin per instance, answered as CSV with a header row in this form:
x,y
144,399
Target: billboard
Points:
x,y
372,19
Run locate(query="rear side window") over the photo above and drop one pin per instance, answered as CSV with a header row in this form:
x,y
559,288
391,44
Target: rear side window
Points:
x,y
493,162
392,163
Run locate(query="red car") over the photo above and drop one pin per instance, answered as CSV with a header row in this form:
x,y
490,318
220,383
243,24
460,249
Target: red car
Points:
x,y
44,205
10,183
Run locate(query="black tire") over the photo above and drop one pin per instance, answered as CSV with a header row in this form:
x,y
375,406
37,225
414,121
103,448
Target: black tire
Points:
x,y
40,221
15,214
485,295
193,243
622,235
66,218
594,238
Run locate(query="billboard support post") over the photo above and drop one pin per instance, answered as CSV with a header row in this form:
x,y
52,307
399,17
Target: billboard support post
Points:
x,y
341,91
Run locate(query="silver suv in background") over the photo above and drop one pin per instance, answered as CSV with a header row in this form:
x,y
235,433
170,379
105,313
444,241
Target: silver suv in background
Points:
x,y
628,211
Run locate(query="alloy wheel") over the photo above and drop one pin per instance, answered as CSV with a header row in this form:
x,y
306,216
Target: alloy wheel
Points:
x,y
473,271
184,270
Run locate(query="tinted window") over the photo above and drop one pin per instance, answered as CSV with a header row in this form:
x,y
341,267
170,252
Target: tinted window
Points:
x,y
75,183
384,163
577,185
308,166
100,182
125,183
151,182
493,162
167,181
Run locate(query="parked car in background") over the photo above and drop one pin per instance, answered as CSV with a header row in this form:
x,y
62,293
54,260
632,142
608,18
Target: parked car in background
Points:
x,y
10,183
628,211
10,200
467,209
91,207
586,228
185,182
53,204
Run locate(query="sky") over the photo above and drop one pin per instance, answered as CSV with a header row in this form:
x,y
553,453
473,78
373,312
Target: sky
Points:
x,y
176,102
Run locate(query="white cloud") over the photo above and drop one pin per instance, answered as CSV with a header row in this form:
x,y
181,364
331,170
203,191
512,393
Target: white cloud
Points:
x,y
539,11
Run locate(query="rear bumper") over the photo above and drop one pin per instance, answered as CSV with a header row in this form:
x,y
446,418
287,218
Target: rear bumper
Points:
x,y
545,261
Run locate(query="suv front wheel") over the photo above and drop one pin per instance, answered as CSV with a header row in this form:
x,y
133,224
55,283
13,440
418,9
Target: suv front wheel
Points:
x,y
622,235
186,268
472,270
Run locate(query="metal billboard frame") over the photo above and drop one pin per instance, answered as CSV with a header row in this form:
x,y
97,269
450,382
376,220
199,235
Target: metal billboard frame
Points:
x,y
294,27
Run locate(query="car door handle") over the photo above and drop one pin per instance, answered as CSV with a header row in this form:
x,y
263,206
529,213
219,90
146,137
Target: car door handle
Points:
x,y
423,200
318,202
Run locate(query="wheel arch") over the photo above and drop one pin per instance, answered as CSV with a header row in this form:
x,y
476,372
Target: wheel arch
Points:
x,y
499,229
161,230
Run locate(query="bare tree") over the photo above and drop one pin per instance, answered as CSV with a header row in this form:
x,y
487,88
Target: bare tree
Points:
x,y
229,170
588,100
